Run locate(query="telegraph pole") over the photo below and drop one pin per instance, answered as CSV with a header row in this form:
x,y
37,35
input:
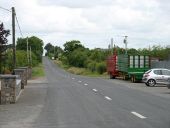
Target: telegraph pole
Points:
x,y
13,37
111,45
30,57
125,42
27,53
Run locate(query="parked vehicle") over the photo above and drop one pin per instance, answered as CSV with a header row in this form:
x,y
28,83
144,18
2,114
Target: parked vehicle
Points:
x,y
128,66
157,76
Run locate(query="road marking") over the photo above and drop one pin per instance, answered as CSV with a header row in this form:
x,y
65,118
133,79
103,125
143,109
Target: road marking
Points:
x,y
73,78
138,115
95,90
108,98
79,81
85,84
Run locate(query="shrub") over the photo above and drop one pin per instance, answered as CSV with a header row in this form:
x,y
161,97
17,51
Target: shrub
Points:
x,y
91,66
101,67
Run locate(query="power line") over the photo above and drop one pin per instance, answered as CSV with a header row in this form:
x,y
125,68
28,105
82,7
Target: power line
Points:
x,y
18,25
5,9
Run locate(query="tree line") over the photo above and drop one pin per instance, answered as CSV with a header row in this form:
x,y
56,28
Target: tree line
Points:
x,y
76,55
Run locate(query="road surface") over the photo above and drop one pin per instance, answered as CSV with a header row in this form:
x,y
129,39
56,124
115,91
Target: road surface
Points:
x,y
65,100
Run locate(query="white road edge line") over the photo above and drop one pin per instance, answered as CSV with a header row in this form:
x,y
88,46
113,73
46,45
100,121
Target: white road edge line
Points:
x,y
95,90
108,98
85,84
138,115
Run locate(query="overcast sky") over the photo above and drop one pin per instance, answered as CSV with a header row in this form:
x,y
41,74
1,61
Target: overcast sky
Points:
x,y
93,22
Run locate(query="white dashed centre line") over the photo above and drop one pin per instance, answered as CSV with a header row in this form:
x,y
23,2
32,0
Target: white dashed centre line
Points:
x,y
138,115
79,81
73,78
108,98
85,84
95,90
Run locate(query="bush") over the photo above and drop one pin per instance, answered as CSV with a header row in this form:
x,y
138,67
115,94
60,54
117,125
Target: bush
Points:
x,y
101,67
64,59
91,66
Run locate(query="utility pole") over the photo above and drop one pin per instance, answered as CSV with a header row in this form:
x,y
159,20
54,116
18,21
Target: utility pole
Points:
x,y
13,37
27,53
54,52
125,42
30,57
111,45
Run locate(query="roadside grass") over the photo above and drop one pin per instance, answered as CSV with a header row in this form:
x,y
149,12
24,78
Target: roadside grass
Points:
x,y
38,71
79,71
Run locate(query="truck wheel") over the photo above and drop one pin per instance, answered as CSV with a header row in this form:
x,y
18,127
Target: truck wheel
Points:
x,y
112,77
124,78
132,79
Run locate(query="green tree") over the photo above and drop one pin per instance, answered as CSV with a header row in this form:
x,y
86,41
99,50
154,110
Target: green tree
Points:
x,y
78,58
133,51
35,43
49,49
72,45
3,41
58,52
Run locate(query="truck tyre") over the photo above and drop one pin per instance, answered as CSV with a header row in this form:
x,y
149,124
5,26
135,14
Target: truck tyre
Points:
x,y
151,82
112,77
125,77
132,79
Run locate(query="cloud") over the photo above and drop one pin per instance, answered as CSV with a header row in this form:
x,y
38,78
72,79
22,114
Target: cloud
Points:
x,y
93,22
75,3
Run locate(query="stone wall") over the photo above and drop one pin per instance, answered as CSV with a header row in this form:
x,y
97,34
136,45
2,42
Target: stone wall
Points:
x,y
23,76
28,71
10,88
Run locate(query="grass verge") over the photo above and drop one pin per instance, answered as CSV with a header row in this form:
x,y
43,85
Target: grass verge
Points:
x,y
38,71
79,71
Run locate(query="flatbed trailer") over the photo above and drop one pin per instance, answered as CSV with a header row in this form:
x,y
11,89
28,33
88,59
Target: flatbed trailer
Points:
x,y
128,66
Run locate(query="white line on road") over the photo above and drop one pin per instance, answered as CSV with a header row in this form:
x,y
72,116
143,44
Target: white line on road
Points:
x,y
85,84
138,115
95,90
79,81
108,98
73,78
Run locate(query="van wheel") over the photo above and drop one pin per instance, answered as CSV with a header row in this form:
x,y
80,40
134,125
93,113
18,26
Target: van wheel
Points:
x,y
151,82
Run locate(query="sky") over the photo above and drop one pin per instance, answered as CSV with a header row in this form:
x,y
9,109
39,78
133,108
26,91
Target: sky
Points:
x,y
93,22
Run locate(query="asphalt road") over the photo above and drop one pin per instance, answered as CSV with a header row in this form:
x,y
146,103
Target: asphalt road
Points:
x,y
70,101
